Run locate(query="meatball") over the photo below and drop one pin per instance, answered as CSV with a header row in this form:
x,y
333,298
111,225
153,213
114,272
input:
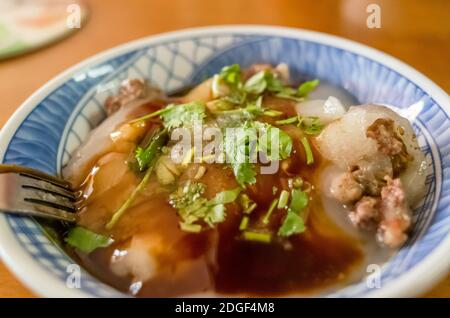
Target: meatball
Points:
x,y
345,188
383,131
388,214
395,213
366,214
130,90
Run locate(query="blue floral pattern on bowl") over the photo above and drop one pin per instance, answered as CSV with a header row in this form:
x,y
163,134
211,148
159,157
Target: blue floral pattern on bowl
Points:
x,y
62,120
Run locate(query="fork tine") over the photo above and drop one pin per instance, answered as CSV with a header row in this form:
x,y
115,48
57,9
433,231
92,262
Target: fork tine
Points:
x,y
32,173
31,182
43,197
29,192
62,184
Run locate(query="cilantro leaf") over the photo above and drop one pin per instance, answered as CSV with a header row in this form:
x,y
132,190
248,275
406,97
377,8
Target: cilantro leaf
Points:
x,y
193,207
289,93
292,224
285,147
142,158
265,80
245,173
272,149
288,121
307,87
275,86
242,146
176,115
216,214
225,197
251,111
312,125
273,83
257,83
145,156
299,201
184,115
156,113
86,240
231,74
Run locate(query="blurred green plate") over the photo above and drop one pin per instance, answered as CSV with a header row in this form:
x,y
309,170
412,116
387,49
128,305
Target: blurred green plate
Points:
x,y
29,25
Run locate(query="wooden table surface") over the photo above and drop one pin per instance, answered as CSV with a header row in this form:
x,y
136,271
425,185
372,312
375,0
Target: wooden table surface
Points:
x,y
415,31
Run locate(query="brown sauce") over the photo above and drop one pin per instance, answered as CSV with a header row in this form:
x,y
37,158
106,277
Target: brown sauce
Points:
x,y
217,260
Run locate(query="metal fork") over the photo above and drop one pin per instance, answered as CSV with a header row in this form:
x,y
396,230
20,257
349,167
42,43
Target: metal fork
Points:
x,y
26,191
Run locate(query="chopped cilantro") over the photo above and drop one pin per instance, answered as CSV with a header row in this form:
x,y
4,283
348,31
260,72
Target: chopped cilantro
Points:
x,y
251,111
259,83
215,214
287,121
242,145
251,208
85,240
193,228
272,113
177,115
297,182
257,236
310,125
270,211
246,203
307,87
225,197
124,207
274,151
256,84
308,151
302,91
245,173
274,190
283,199
292,224
154,114
289,93
231,74
273,83
193,207
244,223
299,201
145,155
184,115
